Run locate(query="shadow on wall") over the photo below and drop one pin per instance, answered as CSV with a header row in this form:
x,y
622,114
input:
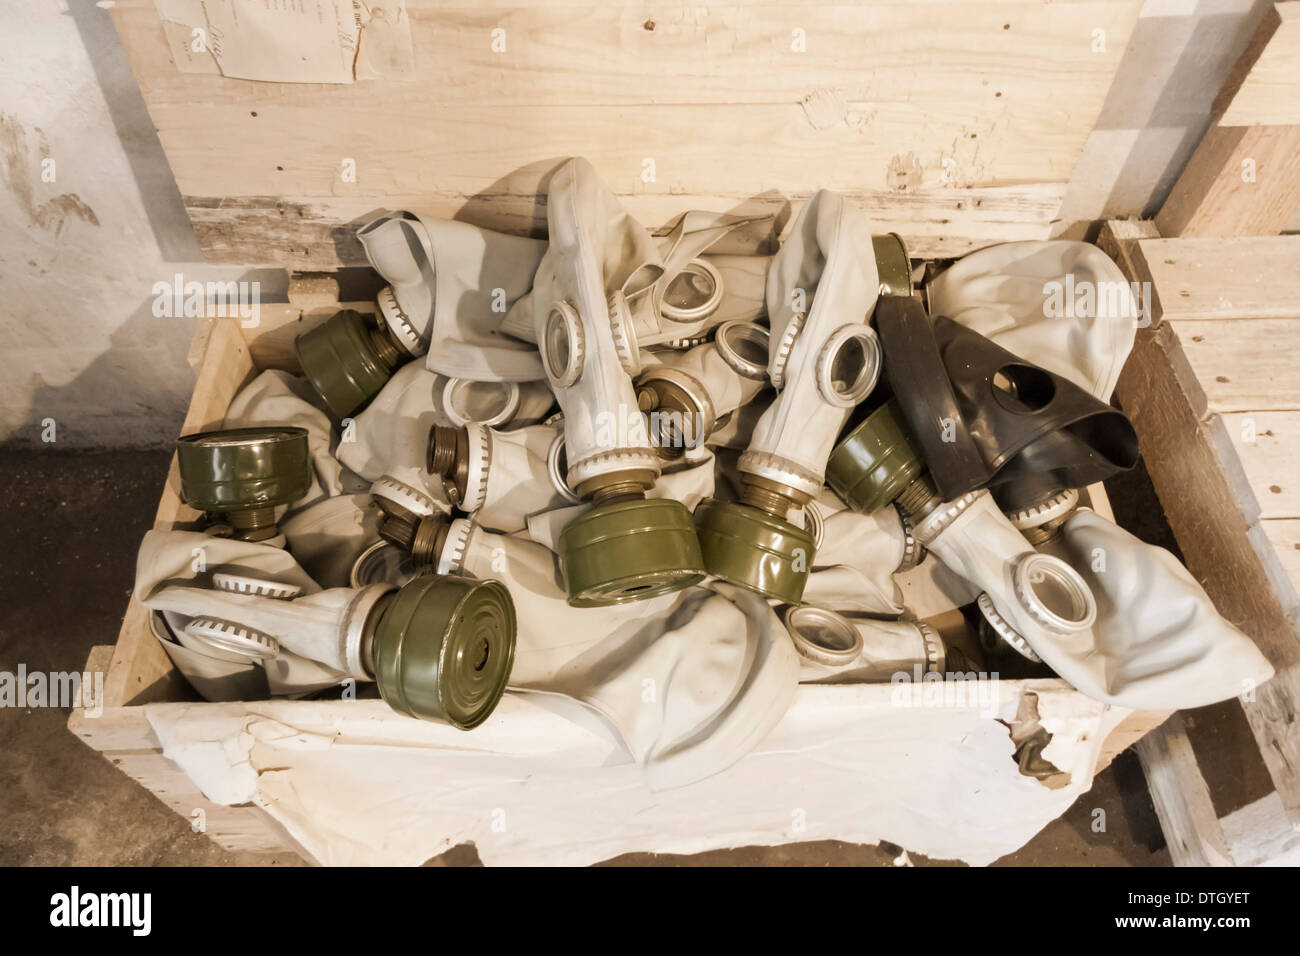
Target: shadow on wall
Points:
x,y
136,392
163,204
1158,108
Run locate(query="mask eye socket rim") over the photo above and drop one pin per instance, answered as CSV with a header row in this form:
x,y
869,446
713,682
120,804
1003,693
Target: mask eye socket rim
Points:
x,y
695,313
865,382
452,405
808,624
562,320
725,339
557,466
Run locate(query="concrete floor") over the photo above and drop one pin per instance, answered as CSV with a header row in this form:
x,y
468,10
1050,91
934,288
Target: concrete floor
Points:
x,y
73,522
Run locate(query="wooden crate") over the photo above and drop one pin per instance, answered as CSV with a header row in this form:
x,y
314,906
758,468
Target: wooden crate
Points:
x,y
946,121
138,671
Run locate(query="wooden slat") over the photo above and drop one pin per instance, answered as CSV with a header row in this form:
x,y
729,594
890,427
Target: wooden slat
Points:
x,y
1181,797
1284,535
1210,278
961,141
1268,446
1206,498
1243,365
1244,180
1267,95
315,233
1261,834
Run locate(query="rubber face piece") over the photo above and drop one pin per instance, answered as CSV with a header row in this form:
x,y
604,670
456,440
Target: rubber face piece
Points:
x,y
243,468
919,381
444,647
630,551
893,264
1037,431
875,461
754,549
340,361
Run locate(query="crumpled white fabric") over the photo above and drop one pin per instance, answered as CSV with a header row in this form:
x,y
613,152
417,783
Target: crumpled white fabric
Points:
x,y
173,574
355,787
689,682
275,398
827,266
1158,643
455,283
1005,292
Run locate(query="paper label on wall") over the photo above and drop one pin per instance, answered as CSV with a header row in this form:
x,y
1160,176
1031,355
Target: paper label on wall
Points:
x,y
290,41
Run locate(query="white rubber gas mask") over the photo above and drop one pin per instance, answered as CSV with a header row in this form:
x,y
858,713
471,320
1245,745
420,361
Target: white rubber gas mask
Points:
x,y
835,649
1157,642
1059,304
627,547
439,648
824,359
450,287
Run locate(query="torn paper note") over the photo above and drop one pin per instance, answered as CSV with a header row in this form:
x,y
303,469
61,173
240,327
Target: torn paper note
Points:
x,y
290,41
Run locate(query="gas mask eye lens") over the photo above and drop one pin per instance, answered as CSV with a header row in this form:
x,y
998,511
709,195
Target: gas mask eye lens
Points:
x,y
693,294
849,365
483,403
562,345
744,347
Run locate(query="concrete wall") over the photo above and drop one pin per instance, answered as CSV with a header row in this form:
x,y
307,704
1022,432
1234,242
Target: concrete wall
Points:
x,y
79,255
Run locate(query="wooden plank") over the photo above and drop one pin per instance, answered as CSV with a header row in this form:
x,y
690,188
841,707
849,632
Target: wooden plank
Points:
x,y
1181,797
1243,365
1261,834
1244,180
1268,446
318,233
1211,278
1267,95
957,143
1284,536
1128,732
1198,480
601,54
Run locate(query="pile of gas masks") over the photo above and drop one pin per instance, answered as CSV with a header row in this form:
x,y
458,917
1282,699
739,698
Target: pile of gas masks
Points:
x,y
665,479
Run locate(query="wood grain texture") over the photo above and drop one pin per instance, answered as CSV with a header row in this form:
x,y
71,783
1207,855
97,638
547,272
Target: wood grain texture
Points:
x,y
966,139
1242,365
1244,178
1213,278
1181,797
318,233
1267,94
1268,446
